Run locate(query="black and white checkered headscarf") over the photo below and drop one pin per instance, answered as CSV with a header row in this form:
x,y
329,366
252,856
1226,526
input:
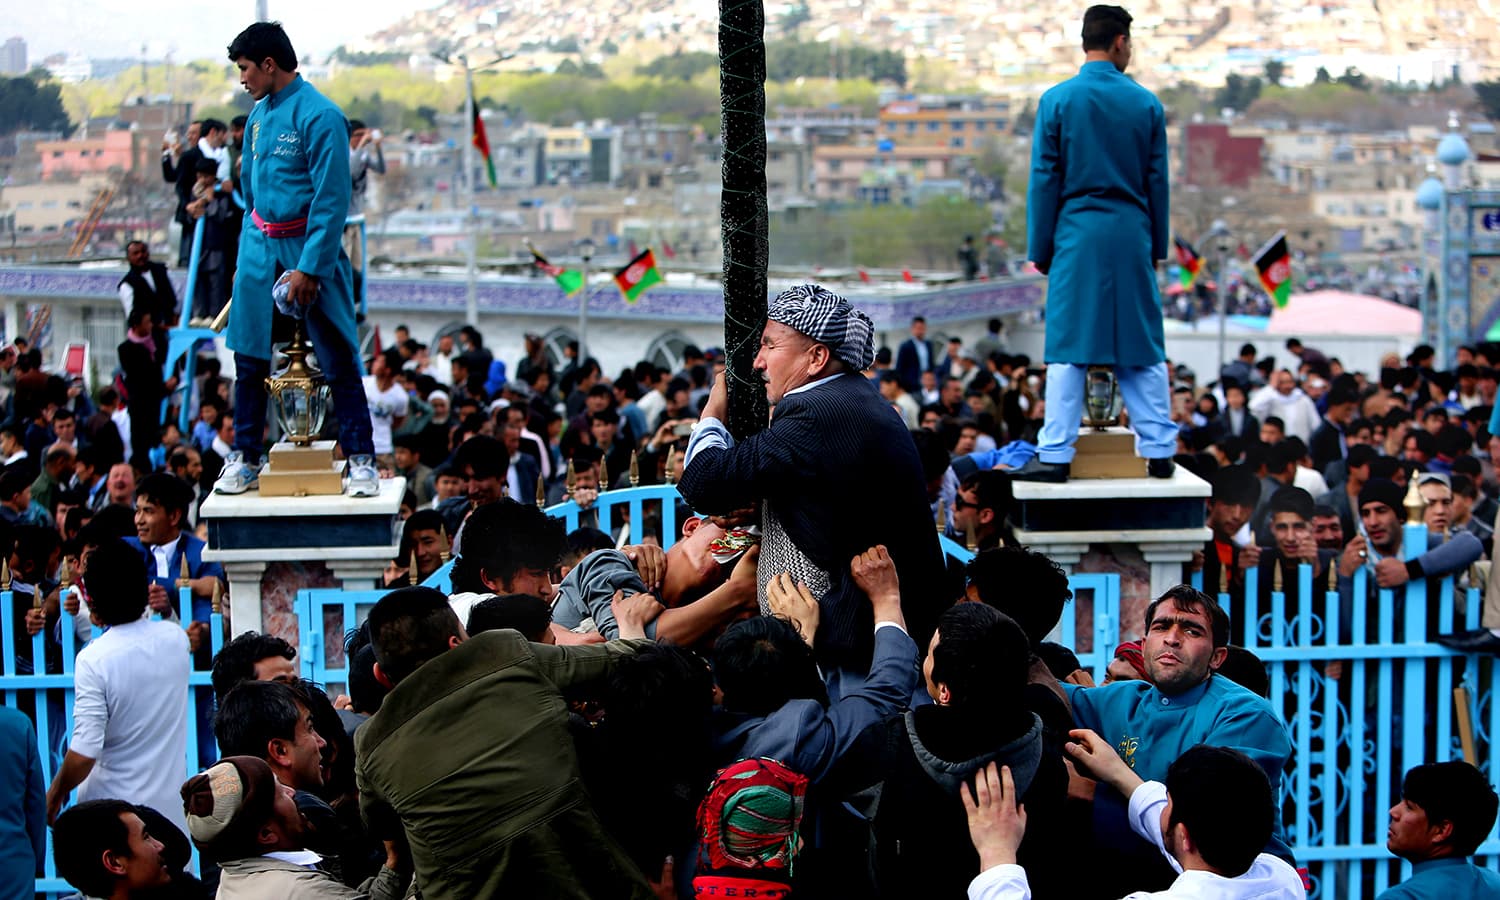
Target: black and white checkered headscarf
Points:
x,y
827,318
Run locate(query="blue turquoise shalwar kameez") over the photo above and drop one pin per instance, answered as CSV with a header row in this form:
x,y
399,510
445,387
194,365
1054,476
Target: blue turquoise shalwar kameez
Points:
x,y
1150,730
1446,879
295,178
1096,221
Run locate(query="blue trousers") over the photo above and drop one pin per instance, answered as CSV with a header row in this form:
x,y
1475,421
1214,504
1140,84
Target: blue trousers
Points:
x,y
341,370
1147,396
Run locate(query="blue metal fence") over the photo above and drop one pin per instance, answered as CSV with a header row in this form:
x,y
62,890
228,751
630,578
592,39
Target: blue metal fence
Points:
x,y
1393,705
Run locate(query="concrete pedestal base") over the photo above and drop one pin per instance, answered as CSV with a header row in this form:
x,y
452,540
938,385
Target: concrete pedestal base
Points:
x,y
353,536
1142,529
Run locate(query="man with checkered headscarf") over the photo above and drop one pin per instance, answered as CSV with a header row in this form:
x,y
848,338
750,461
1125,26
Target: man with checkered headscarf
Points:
x,y
835,473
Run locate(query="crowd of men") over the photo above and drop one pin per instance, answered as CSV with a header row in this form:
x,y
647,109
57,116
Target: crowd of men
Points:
x,y
792,695
582,717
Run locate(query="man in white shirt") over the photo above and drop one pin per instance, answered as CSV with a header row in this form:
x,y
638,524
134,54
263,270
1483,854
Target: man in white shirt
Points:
x,y
1287,402
130,709
388,404
1210,820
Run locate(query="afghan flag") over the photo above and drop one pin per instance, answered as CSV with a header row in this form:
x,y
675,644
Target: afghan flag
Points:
x,y
1274,265
569,280
1188,259
482,144
638,276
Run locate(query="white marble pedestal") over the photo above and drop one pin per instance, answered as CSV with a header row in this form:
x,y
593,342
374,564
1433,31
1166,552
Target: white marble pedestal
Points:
x,y
1163,518
354,536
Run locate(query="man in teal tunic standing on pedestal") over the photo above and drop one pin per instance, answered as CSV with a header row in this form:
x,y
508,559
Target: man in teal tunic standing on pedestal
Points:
x,y
1096,222
295,176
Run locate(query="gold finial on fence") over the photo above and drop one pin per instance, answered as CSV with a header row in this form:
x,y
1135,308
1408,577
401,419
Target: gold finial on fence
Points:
x,y
411,566
447,548
541,492
971,541
635,470
671,476
184,575
942,517
1415,503
218,596
571,480
603,476
4,574
64,577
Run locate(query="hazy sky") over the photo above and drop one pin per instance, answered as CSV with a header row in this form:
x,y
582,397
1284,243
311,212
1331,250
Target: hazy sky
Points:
x,y
193,30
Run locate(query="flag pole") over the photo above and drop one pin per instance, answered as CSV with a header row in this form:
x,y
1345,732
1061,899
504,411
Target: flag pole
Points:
x,y
471,295
586,253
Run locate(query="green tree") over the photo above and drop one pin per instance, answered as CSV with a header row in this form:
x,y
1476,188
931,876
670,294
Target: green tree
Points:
x,y
1322,76
1489,98
1237,93
29,103
683,66
1352,77
1275,70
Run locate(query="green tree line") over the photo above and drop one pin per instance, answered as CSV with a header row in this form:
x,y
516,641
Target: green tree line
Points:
x,y
32,103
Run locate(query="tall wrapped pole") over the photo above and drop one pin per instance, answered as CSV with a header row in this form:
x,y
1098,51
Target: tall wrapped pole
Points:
x,y
742,207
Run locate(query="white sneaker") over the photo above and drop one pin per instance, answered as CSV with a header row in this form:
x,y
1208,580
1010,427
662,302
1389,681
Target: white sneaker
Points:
x,y
237,476
364,478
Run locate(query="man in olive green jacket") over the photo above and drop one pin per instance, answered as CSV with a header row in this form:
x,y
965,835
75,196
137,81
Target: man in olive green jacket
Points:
x,y
471,751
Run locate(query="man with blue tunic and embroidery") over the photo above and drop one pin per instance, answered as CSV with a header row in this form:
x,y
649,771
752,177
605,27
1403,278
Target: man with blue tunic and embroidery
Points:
x,y
295,178
1096,222
1153,722
1445,811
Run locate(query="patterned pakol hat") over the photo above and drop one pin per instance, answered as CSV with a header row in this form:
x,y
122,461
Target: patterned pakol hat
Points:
x,y
827,318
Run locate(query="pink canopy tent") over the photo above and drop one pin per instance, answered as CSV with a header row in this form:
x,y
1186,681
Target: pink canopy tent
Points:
x,y
1337,312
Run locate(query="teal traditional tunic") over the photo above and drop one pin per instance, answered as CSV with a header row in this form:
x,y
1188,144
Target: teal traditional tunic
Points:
x,y
1151,730
1096,217
295,166
1447,879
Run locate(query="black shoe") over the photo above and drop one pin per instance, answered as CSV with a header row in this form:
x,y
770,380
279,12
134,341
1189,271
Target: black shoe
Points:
x,y
1160,468
1481,640
1036,470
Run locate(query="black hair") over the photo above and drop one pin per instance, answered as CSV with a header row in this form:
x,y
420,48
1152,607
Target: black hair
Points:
x,y
80,838
1293,500
525,613
253,714
1360,455
1246,670
13,481
762,663
1224,799
1059,660
1426,443
355,125
982,656
483,455
1454,441
410,626
992,490
1275,422
1236,485
1457,793
167,491
583,541
1463,486
500,539
1102,24
605,417
119,596
137,315
1285,454
235,661
1026,585
365,690
1192,600
262,41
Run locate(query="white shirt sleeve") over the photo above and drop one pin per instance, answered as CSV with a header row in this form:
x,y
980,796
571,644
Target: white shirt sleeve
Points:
x,y
1007,882
709,433
127,298
90,710
1146,805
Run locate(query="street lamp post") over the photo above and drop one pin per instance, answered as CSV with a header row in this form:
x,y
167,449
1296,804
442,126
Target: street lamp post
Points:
x,y
1221,244
585,253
